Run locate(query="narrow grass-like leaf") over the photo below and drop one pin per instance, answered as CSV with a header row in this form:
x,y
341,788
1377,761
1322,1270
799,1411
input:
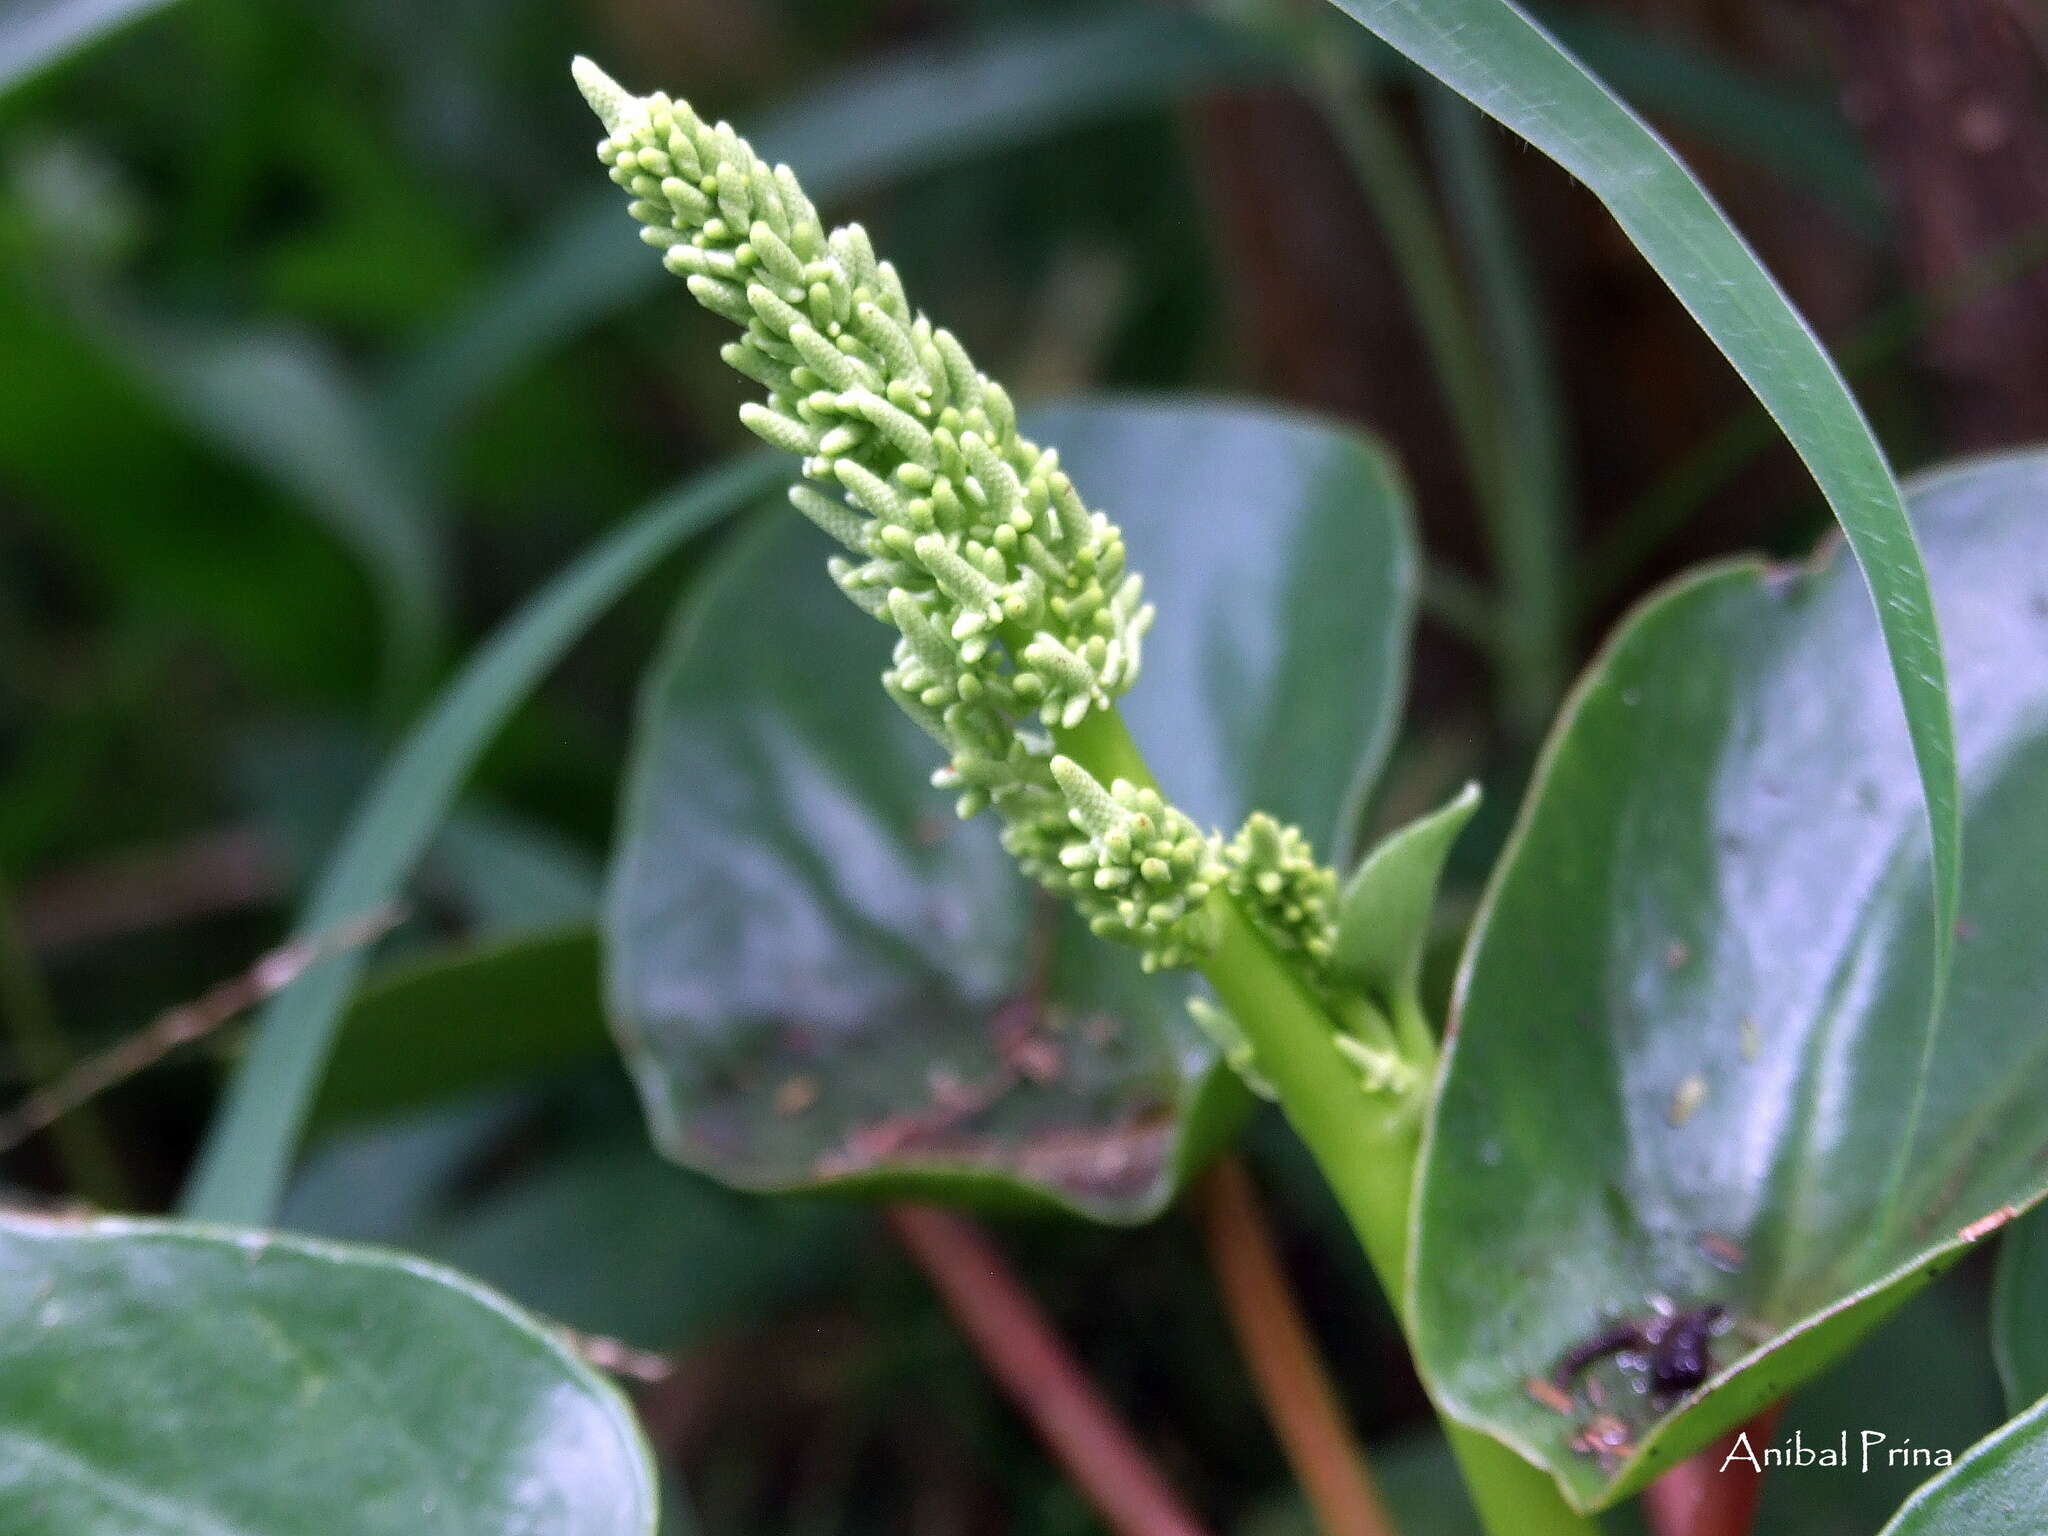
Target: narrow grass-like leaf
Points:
x,y
249,1150
1531,523
1494,55
1800,138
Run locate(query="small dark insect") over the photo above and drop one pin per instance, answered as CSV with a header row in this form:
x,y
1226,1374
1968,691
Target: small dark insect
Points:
x,y
1674,1348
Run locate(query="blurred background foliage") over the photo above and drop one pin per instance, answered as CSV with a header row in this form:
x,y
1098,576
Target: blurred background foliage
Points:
x,y
322,346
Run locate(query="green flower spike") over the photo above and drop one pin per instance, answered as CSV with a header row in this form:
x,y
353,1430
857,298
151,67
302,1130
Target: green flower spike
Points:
x,y
1016,618
1017,629
1286,893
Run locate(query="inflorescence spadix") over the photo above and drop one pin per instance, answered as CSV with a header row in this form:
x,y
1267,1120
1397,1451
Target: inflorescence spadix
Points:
x,y
1016,618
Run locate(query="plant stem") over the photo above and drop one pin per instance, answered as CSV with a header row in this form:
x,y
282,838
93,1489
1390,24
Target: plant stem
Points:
x,y
1276,1343
1365,1144
1016,1340
1462,606
1530,527
1506,426
1421,253
1698,1498
83,1147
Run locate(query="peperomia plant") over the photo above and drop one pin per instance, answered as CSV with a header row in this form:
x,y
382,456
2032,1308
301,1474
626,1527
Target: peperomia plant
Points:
x,y
1708,1099
1018,627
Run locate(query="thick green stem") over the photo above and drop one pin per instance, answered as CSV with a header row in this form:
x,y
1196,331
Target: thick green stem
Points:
x,y
1365,1144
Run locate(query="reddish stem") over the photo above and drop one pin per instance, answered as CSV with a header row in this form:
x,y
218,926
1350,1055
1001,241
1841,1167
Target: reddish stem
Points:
x,y
1708,1495
1277,1345
1016,1341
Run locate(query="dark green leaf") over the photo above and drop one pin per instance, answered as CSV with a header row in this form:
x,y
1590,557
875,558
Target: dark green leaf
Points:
x,y
822,978
158,1379
2020,1316
249,1148
492,1016
1690,1021
1999,1489
1383,922
1491,53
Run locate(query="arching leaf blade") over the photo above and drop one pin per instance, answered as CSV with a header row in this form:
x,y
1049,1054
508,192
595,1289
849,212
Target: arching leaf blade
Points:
x,y
1497,57
242,1167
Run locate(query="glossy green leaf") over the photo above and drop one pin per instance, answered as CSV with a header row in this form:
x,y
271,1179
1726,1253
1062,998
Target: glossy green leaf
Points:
x,y
821,978
1690,1021
38,34
1999,1489
250,1145
923,109
2020,1310
1491,53
159,1379
1383,920
490,1016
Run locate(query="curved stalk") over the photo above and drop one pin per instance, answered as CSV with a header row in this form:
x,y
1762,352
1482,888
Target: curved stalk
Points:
x,y
1017,1342
1365,1144
1274,1338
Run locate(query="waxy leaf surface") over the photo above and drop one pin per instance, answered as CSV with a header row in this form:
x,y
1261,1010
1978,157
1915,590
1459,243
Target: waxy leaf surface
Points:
x,y
819,976
1690,1023
2000,1488
161,1379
